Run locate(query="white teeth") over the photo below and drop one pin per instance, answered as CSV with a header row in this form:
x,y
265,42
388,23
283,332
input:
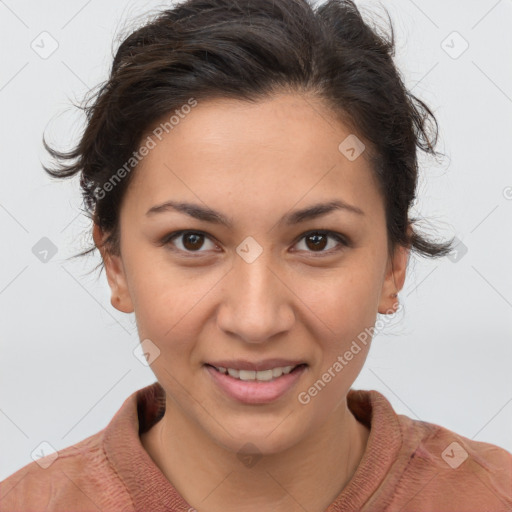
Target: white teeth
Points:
x,y
277,372
247,375
263,375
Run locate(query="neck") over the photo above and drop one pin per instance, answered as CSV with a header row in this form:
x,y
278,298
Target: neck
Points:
x,y
307,476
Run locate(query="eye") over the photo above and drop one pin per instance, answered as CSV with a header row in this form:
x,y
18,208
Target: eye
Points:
x,y
190,241
318,240
193,241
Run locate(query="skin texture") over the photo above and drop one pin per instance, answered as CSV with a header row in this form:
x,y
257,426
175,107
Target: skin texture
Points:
x,y
254,163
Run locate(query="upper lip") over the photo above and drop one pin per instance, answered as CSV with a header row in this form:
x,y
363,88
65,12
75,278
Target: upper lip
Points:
x,y
243,364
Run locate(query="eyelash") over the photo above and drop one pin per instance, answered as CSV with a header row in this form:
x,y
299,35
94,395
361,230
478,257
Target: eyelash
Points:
x,y
343,241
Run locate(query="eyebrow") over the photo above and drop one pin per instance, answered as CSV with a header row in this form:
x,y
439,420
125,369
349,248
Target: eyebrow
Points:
x,y
208,215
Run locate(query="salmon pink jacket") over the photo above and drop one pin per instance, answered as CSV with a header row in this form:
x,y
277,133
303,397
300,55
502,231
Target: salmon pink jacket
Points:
x,y
408,465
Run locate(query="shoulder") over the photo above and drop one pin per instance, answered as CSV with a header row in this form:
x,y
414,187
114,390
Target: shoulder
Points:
x,y
421,466
78,478
446,469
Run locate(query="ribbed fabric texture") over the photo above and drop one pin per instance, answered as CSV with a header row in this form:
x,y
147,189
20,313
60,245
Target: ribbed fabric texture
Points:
x,y
408,465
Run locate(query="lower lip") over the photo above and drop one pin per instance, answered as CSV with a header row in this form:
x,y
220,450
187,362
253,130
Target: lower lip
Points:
x,y
256,392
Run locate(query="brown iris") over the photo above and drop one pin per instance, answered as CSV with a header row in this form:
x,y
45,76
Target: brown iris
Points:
x,y
195,239
316,243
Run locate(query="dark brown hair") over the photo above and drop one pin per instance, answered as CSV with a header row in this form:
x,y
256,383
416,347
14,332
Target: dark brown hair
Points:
x,y
249,50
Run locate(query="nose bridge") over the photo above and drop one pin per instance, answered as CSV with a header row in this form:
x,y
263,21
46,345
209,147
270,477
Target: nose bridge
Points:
x,y
255,306
255,280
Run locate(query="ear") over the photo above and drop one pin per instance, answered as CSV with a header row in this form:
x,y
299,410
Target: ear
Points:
x,y
116,276
394,279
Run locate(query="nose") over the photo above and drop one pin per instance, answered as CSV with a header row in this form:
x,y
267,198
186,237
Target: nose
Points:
x,y
257,303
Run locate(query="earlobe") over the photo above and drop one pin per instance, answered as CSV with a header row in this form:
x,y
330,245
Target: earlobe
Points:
x,y
116,277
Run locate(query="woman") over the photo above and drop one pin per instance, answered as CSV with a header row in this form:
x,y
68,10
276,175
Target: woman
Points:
x,y
249,169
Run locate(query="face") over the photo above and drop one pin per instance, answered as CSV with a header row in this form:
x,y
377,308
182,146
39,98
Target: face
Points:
x,y
267,284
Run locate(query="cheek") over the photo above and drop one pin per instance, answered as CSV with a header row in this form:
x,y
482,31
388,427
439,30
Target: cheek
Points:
x,y
343,309
170,305
343,300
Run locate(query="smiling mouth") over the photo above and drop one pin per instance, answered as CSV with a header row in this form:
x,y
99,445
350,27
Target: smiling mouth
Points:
x,y
259,376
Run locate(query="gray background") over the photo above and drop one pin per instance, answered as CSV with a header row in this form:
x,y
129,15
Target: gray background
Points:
x,y
67,361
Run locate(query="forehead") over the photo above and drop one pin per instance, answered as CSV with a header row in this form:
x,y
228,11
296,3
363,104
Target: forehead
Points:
x,y
280,150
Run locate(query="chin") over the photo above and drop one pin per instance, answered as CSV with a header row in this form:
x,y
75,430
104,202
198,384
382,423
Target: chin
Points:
x,y
257,442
